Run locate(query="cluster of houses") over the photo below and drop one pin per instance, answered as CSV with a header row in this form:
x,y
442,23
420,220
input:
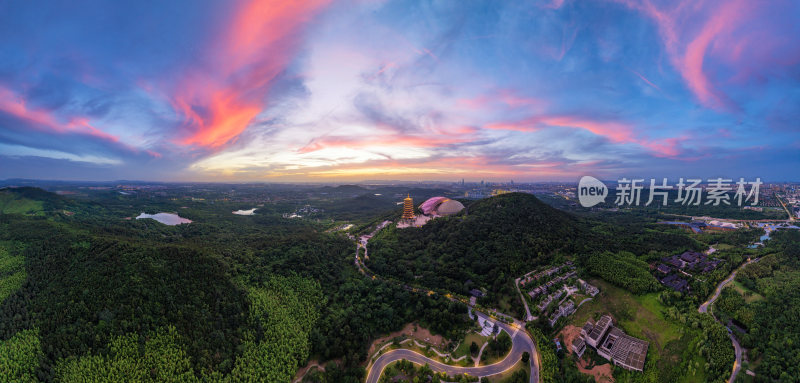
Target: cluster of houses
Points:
x,y
672,270
612,344
546,273
549,299
568,307
545,287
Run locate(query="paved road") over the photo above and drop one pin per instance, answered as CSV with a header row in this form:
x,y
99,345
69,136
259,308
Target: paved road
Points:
x,y
521,343
791,217
524,302
737,348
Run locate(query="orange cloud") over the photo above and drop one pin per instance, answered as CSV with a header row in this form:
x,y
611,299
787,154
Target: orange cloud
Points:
x,y
221,102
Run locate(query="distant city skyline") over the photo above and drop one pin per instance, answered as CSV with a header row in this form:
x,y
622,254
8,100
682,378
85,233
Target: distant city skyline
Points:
x,y
357,90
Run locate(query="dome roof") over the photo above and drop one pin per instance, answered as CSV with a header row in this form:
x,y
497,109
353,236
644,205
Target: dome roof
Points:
x,y
430,205
440,206
449,207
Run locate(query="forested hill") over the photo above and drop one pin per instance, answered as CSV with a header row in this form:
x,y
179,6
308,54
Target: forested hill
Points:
x,y
92,296
498,239
29,201
492,239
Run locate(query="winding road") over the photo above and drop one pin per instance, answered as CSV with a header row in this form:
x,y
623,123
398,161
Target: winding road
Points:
x,y
521,342
737,348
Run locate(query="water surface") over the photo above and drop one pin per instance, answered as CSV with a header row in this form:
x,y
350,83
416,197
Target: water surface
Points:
x,y
170,219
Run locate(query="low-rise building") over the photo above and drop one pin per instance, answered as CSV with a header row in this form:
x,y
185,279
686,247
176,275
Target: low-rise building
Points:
x,y
579,346
589,289
612,343
598,331
565,309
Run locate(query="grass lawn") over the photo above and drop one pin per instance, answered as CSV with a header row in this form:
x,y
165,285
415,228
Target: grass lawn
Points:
x,y
463,348
491,359
641,317
749,295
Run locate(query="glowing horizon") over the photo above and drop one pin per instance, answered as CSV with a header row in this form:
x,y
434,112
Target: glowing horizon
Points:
x,y
321,90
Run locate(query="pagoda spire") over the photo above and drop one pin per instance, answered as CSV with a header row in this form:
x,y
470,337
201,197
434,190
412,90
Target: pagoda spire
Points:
x,y
408,208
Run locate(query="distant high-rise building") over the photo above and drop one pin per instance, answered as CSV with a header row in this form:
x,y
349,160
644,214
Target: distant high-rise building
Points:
x,y
408,207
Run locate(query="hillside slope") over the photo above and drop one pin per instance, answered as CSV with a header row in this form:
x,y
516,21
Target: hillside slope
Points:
x,y
500,238
494,239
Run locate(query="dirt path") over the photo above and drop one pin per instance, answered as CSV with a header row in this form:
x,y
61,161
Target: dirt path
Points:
x,y
601,373
298,376
569,333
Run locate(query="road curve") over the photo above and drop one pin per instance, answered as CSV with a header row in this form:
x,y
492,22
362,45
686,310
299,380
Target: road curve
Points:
x,y
521,342
737,348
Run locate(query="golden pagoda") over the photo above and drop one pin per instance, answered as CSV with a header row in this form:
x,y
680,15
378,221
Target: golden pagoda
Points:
x,y
408,207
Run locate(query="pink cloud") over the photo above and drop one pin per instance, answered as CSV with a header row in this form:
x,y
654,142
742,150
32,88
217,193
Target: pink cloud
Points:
x,y
692,66
614,131
648,82
220,101
508,98
735,40
553,4
16,106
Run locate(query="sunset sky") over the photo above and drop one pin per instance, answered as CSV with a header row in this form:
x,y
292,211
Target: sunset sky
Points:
x,y
317,90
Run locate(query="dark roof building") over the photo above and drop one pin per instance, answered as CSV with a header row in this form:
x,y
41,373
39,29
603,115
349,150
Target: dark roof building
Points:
x,y
676,283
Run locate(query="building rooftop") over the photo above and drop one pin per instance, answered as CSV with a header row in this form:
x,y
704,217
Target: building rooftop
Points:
x,y
587,328
599,329
626,350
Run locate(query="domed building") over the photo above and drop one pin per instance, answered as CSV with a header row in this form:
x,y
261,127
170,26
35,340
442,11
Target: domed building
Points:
x,y
441,206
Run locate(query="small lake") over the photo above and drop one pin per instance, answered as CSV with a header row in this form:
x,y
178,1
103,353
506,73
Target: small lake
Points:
x,y
170,219
770,227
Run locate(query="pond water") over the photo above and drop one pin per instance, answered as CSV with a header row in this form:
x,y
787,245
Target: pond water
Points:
x,y
245,212
770,227
170,219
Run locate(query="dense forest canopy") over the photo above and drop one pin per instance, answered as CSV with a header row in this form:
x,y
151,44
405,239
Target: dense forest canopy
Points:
x,y
87,295
87,292
498,239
